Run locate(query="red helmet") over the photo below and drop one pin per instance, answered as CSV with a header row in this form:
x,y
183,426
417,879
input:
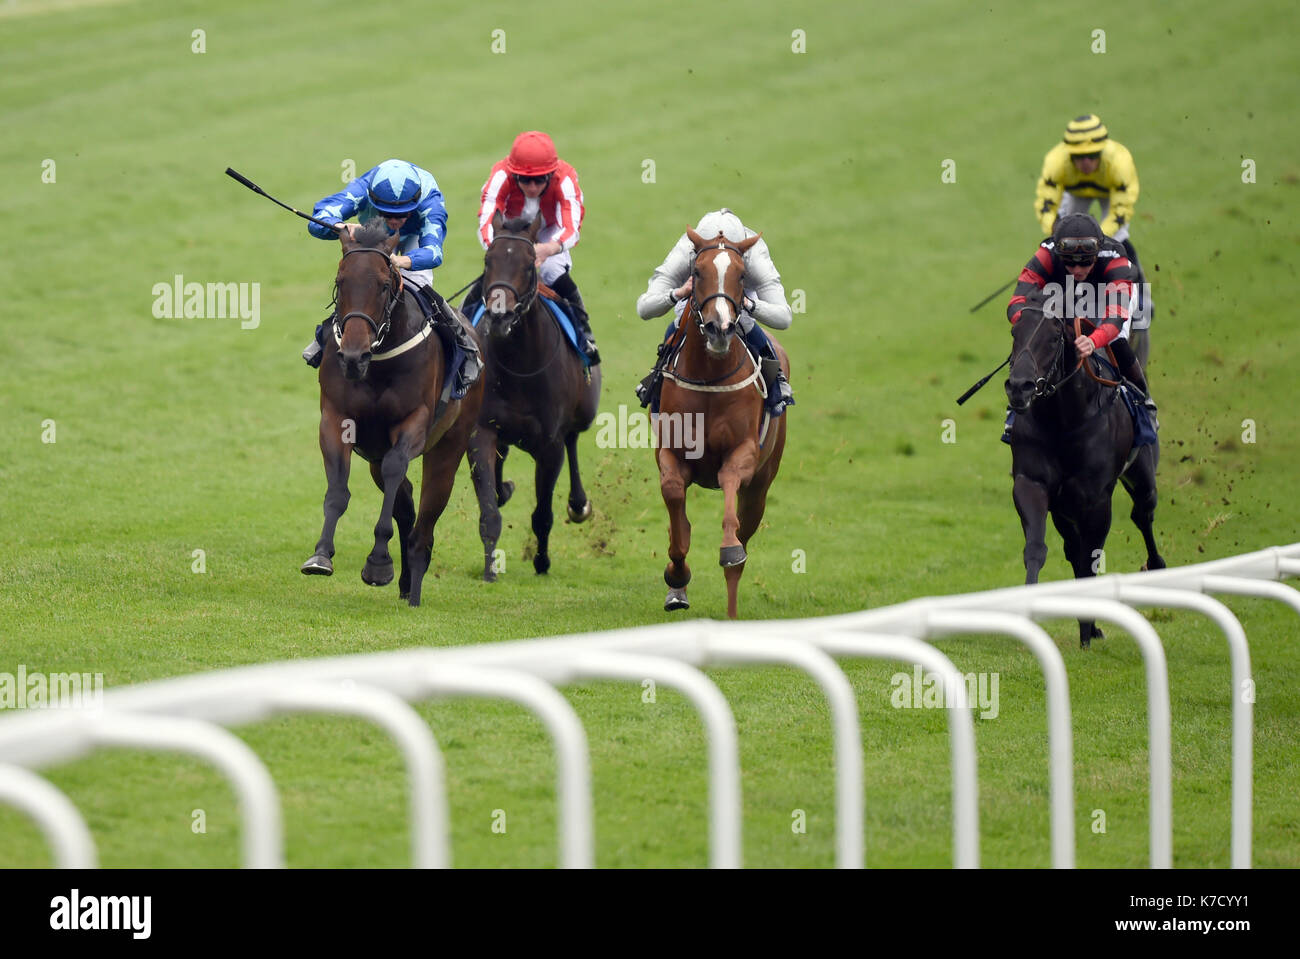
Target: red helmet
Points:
x,y
533,154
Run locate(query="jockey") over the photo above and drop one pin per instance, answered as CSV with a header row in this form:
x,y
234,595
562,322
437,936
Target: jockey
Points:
x,y
1087,165
407,199
764,300
1077,260
533,181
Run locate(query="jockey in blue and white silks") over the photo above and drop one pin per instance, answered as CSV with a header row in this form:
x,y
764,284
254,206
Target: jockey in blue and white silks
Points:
x,y
405,200
393,187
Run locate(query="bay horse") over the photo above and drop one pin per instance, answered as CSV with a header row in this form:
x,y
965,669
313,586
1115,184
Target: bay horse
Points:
x,y
539,395
381,382
714,383
1071,440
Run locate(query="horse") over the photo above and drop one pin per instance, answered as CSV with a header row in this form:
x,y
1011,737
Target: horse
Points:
x,y
540,395
713,387
1071,440
382,380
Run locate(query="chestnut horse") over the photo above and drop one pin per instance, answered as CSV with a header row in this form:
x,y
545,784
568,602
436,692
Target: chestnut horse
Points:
x,y
381,380
712,389
540,395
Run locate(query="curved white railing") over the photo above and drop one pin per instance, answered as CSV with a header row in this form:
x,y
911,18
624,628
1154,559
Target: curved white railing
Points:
x,y
187,714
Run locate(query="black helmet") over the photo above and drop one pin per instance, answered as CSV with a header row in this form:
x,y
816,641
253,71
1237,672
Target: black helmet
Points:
x,y
1077,239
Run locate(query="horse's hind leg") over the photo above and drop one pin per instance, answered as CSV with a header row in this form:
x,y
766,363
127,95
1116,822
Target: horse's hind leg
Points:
x,y
438,477
549,461
338,460
1140,482
482,454
674,477
579,505
404,516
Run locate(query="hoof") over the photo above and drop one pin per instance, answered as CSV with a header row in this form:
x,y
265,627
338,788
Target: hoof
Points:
x,y
578,516
377,574
676,600
731,556
507,491
318,565
542,564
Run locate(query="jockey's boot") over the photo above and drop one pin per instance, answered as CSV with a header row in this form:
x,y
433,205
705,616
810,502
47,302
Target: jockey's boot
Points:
x,y
1131,370
1006,427
566,288
647,391
779,394
316,348
472,368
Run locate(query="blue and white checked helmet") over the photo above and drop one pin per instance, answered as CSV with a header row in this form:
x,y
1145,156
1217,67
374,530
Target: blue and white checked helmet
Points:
x,y
395,187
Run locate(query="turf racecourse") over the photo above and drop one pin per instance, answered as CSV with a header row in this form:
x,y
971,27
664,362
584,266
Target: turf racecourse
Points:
x,y
172,435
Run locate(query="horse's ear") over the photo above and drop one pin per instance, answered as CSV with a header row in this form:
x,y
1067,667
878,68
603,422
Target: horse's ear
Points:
x,y
497,220
744,245
695,239
534,227
391,243
345,237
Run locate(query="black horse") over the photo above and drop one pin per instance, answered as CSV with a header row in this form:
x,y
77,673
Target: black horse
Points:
x,y
539,393
1070,442
381,394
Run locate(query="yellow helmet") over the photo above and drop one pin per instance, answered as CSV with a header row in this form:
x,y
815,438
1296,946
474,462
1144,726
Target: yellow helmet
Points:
x,y
1084,135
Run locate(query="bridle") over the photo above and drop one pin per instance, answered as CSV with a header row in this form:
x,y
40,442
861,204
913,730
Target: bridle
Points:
x,y
697,306
1047,384
393,293
522,303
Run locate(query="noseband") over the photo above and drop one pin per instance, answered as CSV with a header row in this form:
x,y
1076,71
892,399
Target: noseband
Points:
x,y
394,293
522,303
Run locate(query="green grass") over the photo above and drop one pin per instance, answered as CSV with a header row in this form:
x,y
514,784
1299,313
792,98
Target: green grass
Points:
x,y
180,435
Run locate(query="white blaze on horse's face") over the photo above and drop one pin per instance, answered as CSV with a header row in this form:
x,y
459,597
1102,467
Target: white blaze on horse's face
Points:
x,y
721,263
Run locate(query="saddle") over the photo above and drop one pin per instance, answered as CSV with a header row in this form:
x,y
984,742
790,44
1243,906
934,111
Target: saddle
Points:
x,y
432,308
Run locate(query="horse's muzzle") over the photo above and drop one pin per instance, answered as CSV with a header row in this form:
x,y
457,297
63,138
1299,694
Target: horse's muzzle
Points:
x,y
1020,393
355,366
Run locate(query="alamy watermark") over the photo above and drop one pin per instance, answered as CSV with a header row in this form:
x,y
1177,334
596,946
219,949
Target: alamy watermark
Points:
x,y
636,430
917,690
1082,299
38,690
210,301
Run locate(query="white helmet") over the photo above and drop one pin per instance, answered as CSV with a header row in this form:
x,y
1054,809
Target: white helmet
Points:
x,y
721,221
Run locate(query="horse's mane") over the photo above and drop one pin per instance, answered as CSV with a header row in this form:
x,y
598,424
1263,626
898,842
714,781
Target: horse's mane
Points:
x,y
516,224
374,233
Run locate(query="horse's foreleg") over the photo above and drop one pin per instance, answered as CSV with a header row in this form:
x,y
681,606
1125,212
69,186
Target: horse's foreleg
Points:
x,y
1140,482
579,505
482,456
505,488
674,477
1090,558
408,441
549,461
338,460
1030,497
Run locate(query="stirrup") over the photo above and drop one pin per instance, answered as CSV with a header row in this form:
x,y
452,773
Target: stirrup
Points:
x,y
312,355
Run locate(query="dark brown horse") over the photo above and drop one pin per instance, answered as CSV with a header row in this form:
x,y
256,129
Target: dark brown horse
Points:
x,y
381,379
539,396
1071,441
711,390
